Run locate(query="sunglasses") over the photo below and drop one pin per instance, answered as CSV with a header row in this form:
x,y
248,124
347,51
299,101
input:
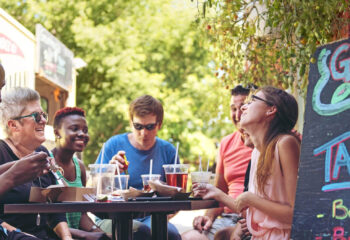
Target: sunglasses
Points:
x,y
35,115
149,127
261,99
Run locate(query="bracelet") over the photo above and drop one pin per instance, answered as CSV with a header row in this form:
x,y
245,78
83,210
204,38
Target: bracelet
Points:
x,y
93,228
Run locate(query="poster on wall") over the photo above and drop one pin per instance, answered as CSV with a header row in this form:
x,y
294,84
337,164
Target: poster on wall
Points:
x,y
322,205
55,60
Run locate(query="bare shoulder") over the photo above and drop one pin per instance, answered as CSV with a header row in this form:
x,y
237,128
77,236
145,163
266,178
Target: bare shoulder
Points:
x,y
81,165
288,141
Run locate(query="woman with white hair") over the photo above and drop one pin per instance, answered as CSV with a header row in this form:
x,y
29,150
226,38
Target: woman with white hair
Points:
x,y
23,122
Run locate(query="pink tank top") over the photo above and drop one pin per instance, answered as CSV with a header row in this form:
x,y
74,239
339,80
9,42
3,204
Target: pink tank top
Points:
x,y
260,225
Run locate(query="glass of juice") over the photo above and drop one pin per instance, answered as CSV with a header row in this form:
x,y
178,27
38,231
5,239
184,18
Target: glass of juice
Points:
x,y
146,177
200,177
176,175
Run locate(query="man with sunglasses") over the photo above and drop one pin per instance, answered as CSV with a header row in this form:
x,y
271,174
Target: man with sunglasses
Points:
x,y
232,163
139,147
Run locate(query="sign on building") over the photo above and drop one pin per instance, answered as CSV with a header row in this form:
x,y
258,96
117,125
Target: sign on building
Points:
x,y
55,60
322,206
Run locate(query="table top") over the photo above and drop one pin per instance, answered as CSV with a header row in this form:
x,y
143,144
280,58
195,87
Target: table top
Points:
x,y
121,206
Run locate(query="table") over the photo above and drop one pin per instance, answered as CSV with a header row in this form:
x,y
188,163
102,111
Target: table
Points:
x,y
121,213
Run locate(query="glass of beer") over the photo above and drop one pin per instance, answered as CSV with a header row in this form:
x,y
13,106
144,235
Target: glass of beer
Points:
x,y
176,175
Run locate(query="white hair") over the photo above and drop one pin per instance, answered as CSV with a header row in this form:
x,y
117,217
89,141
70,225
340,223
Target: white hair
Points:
x,y
14,103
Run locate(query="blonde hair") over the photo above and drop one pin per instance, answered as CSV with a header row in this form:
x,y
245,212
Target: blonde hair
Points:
x,y
14,103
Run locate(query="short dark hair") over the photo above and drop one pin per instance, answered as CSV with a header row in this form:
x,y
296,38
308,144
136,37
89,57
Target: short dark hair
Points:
x,y
64,112
146,105
243,90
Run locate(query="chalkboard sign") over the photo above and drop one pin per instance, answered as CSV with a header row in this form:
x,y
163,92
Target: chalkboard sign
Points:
x,y
55,60
322,207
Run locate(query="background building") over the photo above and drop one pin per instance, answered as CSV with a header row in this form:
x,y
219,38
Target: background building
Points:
x,y
40,62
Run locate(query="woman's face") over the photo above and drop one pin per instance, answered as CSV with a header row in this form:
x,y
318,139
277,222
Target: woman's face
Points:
x,y
73,133
31,133
254,112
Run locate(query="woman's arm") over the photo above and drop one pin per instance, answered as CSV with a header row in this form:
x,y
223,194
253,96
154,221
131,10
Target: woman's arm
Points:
x,y
289,151
62,231
86,223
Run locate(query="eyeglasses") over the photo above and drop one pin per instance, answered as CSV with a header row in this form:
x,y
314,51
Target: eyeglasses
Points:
x,y
261,99
35,115
149,127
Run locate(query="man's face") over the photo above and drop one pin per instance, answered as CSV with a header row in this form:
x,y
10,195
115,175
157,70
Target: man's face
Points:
x,y
145,138
235,104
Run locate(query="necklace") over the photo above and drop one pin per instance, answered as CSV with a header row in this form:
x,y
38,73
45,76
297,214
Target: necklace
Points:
x,y
14,149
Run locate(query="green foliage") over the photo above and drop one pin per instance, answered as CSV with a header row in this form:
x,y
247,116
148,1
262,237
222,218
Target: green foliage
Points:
x,y
134,48
270,42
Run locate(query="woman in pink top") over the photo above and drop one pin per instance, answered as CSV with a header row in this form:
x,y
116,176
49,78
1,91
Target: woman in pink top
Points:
x,y
268,118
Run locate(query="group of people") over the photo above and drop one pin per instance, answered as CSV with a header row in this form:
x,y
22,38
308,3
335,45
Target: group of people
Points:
x,y
255,175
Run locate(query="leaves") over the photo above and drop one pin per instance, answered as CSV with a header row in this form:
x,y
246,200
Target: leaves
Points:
x,y
270,42
134,48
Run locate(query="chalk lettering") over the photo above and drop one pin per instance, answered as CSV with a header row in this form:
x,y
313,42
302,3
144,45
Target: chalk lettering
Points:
x,y
339,211
342,159
338,103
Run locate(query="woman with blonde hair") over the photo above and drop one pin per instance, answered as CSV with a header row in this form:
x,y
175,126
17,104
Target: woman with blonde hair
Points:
x,y
268,118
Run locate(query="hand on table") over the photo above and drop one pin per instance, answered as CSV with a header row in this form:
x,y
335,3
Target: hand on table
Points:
x,y
206,191
120,160
202,223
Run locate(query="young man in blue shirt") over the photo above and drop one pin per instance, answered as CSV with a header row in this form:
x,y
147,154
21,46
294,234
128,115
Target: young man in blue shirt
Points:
x,y
139,147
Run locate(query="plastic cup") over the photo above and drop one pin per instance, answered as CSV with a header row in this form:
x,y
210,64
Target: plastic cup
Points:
x,y
176,175
122,184
212,179
146,177
102,177
200,177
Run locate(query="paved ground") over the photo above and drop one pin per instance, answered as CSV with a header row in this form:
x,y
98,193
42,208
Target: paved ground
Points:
x,y
183,220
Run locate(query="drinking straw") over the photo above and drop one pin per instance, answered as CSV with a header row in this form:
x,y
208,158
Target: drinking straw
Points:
x,y
177,152
99,179
150,167
119,179
200,163
208,165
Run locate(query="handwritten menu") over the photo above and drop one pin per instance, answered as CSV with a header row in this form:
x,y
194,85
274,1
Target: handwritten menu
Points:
x,y
322,206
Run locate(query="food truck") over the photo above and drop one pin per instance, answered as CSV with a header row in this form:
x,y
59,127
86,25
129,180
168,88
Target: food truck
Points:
x,y
40,62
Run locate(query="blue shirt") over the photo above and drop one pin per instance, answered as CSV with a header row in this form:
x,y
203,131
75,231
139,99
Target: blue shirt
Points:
x,y
162,153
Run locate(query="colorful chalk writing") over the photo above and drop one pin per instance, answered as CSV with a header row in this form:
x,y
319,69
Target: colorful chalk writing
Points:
x,y
342,159
322,202
339,103
339,210
338,234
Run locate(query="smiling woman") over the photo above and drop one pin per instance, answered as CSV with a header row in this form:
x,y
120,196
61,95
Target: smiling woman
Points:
x,y
24,123
71,134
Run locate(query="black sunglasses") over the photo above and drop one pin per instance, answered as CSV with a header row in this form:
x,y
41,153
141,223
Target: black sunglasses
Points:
x,y
139,126
261,99
35,115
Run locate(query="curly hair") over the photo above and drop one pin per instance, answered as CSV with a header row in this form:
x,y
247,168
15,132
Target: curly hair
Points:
x,y
64,112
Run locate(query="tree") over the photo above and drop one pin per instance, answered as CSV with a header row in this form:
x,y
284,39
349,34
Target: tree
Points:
x,y
134,48
271,42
